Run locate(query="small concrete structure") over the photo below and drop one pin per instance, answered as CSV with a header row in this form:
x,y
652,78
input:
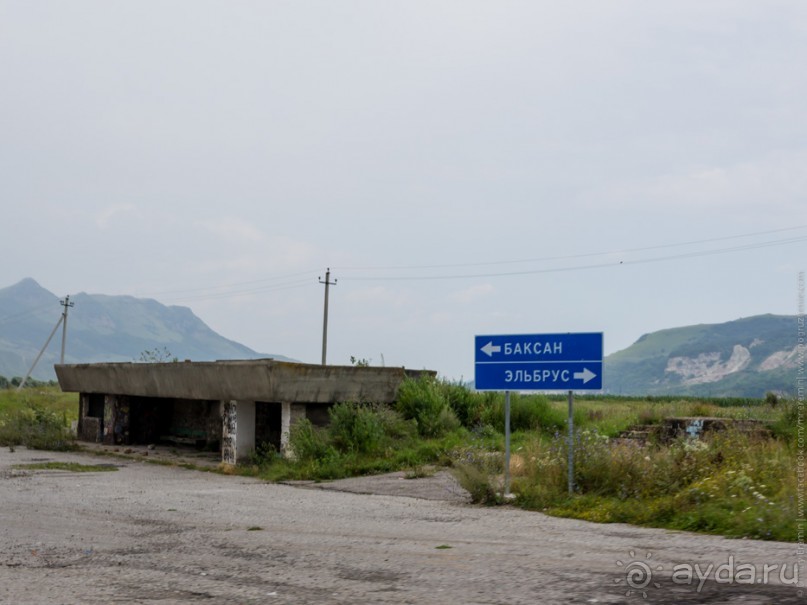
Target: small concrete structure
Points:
x,y
691,427
233,406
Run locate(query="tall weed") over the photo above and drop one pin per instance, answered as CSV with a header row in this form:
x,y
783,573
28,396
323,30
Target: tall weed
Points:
x,y
729,483
35,427
355,428
424,401
466,405
527,413
308,442
479,471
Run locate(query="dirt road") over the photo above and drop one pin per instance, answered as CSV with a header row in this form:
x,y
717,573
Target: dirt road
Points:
x,y
161,535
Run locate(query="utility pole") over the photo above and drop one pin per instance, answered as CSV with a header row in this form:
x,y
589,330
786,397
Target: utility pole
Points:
x,y
62,320
66,304
327,283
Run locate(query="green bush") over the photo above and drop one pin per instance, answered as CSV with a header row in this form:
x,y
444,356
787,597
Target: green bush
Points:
x,y
424,401
479,471
788,423
356,428
396,427
526,414
478,483
728,482
35,427
265,453
466,405
308,442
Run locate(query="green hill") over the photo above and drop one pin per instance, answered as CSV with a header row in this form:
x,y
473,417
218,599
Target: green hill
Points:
x,y
743,358
101,328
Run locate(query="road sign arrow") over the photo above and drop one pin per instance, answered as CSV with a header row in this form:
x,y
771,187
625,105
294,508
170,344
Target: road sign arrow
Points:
x,y
490,349
585,375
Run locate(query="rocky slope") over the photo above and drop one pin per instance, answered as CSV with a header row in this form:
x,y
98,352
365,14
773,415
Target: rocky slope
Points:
x,y
743,358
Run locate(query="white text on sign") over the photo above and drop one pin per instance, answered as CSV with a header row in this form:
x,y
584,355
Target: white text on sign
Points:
x,y
547,375
525,348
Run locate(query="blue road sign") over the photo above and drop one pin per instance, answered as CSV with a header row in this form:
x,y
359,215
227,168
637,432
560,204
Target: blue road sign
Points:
x,y
539,362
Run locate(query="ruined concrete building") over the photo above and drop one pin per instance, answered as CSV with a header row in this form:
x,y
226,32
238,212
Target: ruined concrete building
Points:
x,y
226,405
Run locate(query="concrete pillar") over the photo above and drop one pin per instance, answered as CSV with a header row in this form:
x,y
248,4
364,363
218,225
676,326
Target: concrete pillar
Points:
x,y
228,432
83,409
110,417
289,414
237,431
245,435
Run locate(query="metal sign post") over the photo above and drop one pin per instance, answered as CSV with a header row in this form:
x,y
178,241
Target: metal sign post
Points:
x,y
571,443
506,444
538,362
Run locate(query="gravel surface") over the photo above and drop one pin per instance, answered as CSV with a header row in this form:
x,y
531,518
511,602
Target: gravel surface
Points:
x,y
158,534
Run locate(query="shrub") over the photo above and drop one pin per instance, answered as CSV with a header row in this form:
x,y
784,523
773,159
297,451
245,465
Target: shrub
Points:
x,y
395,426
727,482
308,442
466,405
477,483
702,409
479,471
356,428
423,401
526,413
37,428
788,423
265,453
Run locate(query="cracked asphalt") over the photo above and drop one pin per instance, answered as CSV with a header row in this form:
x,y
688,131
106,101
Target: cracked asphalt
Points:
x,y
156,534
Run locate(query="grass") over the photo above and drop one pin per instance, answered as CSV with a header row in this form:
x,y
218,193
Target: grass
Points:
x,y
49,398
729,483
37,418
73,467
333,464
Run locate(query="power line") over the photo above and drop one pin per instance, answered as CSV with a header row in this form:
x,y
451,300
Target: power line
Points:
x,y
275,283
230,285
612,264
232,293
572,256
65,302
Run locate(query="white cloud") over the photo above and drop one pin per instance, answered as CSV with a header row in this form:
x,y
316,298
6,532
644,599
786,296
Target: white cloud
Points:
x,y
105,216
377,295
232,229
764,185
302,136
472,294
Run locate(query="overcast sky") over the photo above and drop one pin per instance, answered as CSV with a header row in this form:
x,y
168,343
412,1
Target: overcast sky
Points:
x,y
463,167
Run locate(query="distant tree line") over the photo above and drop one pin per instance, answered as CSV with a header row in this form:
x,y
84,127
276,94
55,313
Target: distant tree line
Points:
x,y
14,382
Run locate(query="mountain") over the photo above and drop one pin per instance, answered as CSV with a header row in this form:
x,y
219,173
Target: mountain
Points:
x,y
743,358
101,328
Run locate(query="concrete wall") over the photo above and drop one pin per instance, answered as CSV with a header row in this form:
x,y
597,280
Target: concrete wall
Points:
x,y
215,402
252,380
